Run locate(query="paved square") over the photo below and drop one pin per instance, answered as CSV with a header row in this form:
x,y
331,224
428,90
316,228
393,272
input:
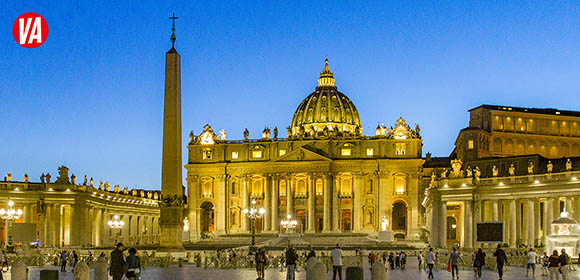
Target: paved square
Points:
x,y
411,273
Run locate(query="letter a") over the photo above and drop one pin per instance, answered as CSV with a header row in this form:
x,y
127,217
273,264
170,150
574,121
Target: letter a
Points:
x,y
36,33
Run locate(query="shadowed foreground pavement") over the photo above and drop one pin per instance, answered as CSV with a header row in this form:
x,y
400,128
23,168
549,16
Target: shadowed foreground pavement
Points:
x,y
411,273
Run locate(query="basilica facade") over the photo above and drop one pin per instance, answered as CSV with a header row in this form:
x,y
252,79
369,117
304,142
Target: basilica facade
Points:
x,y
326,174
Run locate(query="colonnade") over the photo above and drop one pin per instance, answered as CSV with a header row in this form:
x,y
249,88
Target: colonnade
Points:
x,y
527,220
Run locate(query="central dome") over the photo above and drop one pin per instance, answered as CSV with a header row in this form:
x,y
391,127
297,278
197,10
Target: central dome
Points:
x,y
326,111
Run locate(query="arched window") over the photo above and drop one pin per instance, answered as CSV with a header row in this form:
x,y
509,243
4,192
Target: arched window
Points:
x,y
234,188
282,187
257,187
301,186
400,184
319,187
207,191
346,186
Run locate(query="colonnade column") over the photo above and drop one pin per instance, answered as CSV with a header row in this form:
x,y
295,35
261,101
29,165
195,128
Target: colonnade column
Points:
x,y
537,221
290,197
513,241
326,224
568,205
275,195
357,205
548,213
245,201
468,223
443,224
335,207
192,205
495,210
310,206
28,218
477,210
267,203
530,224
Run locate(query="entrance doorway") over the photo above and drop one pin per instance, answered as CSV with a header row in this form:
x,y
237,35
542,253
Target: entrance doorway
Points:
x,y
346,220
207,217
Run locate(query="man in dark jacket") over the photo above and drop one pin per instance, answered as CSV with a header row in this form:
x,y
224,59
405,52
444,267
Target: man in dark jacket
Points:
x,y
500,258
117,262
291,258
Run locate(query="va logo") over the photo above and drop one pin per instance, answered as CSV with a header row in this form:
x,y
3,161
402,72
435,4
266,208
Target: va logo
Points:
x,y
30,30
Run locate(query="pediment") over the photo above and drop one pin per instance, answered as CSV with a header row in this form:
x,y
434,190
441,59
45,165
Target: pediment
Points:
x,y
303,154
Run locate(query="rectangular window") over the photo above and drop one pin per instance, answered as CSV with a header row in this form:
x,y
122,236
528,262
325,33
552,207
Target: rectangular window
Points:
x,y
281,152
370,151
257,154
345,152
234,155
470,144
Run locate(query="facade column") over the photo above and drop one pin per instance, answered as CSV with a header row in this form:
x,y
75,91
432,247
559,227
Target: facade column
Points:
x,y
381,197
221,206
433,218
335,206
290,197
467,225
513,226
245,203
275,194
192,205
327,195
530,224
357,205
311,207
443,224
267,203
537,221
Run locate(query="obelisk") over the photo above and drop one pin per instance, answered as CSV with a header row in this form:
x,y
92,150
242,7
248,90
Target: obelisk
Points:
x,y
171,205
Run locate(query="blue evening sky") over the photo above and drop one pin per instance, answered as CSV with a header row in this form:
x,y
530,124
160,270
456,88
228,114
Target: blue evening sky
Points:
x,y
91,97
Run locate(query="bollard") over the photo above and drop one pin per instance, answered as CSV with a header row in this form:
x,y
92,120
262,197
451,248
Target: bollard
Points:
x,y
198,261
19,271
82,271
354,273
316,270
378,272
180,262
101,271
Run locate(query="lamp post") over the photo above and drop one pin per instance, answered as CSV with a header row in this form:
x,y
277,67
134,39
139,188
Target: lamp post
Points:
x,y
288,223
10,214
116,225
253,213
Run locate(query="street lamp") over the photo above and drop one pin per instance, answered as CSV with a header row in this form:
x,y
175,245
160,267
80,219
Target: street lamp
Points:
x,y
10,214
254,213
117,225
288,223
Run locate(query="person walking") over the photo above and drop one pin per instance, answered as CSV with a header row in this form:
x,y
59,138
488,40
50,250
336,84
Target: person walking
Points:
x,y
391,261
133,265
554,265
372,259
478,263
261,260
403,260
311,253
291,257
545,264
430,259
117,269
63,259
75,259
336,255
420,261
454,259
501,259
532,256
564,261
4,260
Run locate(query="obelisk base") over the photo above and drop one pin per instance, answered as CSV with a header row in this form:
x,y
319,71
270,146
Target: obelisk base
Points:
x,y
171,235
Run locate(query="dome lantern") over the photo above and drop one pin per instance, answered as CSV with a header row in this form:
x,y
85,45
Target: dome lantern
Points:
x,y
326,78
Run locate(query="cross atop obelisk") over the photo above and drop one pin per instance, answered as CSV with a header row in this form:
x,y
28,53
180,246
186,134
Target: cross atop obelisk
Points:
x,y
173,18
